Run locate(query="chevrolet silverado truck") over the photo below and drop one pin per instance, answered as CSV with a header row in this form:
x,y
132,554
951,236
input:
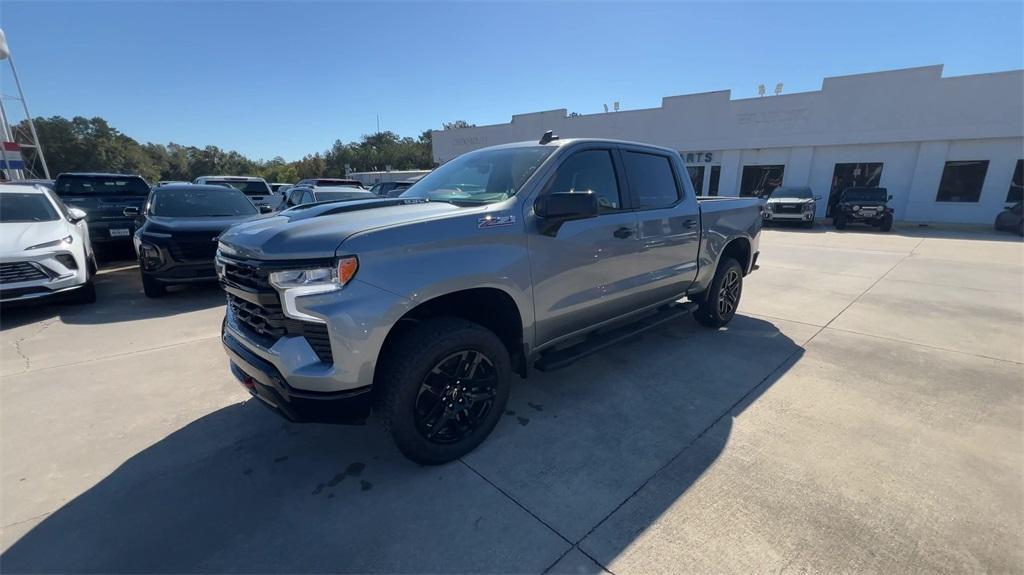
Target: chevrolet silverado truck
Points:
x,y
421,308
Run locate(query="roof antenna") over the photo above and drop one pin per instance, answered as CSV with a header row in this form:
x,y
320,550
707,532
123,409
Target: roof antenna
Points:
x,y
548,137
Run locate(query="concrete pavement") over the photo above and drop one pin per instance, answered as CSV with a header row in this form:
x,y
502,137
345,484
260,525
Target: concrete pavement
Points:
x,y
863,414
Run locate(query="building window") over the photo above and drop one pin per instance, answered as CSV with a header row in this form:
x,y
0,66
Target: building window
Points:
x,y
1016,193
760,180
716,173
962,181
862,175
696,178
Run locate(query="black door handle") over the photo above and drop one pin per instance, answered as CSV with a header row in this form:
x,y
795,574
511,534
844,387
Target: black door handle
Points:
x,y
623,233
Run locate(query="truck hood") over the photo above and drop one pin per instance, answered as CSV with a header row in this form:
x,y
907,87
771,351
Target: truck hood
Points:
x,y
316,230
16,236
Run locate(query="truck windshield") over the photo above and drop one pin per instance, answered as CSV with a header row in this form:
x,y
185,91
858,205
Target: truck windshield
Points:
x,y
247,187
200,202
87,185
481,177
18,207
801,193
865,195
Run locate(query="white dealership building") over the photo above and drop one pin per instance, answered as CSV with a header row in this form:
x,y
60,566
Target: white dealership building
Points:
x,y
949,149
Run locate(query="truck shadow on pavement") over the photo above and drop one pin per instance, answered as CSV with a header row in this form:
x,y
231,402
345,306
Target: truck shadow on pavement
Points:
x,y
241,490
119,298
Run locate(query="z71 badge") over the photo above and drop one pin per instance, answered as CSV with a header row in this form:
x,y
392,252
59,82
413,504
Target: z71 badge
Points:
x,y
495,221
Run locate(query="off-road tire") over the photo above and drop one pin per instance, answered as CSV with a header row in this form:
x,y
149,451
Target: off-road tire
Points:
x,y
709,313
405,366
885,224
809,224
839,221
153,288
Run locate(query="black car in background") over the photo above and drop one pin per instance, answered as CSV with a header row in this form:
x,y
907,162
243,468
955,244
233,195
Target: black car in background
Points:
x,y
177,235
300,195
863,206
1011,219
104,198
390,189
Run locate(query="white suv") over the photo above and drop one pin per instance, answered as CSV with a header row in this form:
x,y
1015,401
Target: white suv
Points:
x,y
44,247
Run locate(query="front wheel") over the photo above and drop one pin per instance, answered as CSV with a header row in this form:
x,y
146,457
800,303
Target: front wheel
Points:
x,y
839,221
886,223
153,288
444,386
717,306
85,294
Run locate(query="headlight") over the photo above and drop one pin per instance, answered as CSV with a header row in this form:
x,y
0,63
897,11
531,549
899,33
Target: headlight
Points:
x,y
292,284
61,242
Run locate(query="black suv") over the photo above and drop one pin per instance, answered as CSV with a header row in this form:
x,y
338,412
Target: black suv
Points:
x,y
177,237
104,198
863,206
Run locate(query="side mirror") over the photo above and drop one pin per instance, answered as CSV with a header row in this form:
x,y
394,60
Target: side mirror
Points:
x,y
817,198
266,209
131,211
76,214
559,207
890,197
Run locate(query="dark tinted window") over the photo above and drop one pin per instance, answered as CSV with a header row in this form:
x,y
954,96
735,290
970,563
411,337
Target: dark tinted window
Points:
x,y
17,207
962,181
761,180
783,192
716,174
247,187
651,180
1016,192
593,171
696,178
199,201
101,186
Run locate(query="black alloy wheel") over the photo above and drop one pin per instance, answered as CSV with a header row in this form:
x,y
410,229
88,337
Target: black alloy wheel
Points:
x,y
729,294
455,397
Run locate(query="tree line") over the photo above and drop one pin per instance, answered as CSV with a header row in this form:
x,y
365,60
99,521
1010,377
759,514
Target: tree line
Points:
x,y
93,145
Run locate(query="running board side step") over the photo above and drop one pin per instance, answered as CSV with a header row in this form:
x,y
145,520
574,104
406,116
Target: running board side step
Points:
x,y
559,358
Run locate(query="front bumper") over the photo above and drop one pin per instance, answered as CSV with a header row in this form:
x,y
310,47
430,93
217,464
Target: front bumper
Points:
x,y
266,383
788,217
59,278
111,230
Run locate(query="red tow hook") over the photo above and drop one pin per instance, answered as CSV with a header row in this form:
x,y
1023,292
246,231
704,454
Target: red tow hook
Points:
x,y
248,383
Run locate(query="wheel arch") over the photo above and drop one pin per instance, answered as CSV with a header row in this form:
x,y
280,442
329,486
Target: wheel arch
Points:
x,y
493,308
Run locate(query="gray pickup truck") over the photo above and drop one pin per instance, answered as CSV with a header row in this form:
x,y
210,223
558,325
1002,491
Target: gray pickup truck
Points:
x,y
422,307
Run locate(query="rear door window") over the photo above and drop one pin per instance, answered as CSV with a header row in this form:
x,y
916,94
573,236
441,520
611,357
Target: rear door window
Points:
x,y
652,182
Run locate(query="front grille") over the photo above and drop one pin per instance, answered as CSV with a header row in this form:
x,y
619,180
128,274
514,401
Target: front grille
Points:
x,y
192,249
269,321
245,274
788,208
14,272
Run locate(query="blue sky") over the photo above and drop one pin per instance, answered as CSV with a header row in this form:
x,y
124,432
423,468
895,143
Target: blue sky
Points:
x,y
288,78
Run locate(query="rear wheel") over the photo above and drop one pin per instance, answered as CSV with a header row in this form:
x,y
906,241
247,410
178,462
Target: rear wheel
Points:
x,y
444,386
717,306
839,221
886,223
153,288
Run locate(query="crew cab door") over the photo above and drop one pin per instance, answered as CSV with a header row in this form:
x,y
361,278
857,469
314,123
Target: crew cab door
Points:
x,y
668,223
582,274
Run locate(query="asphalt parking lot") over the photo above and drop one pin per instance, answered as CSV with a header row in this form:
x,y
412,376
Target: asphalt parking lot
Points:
x,y
864,413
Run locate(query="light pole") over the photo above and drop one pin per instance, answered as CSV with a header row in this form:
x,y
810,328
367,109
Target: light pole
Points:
x,y
5,54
